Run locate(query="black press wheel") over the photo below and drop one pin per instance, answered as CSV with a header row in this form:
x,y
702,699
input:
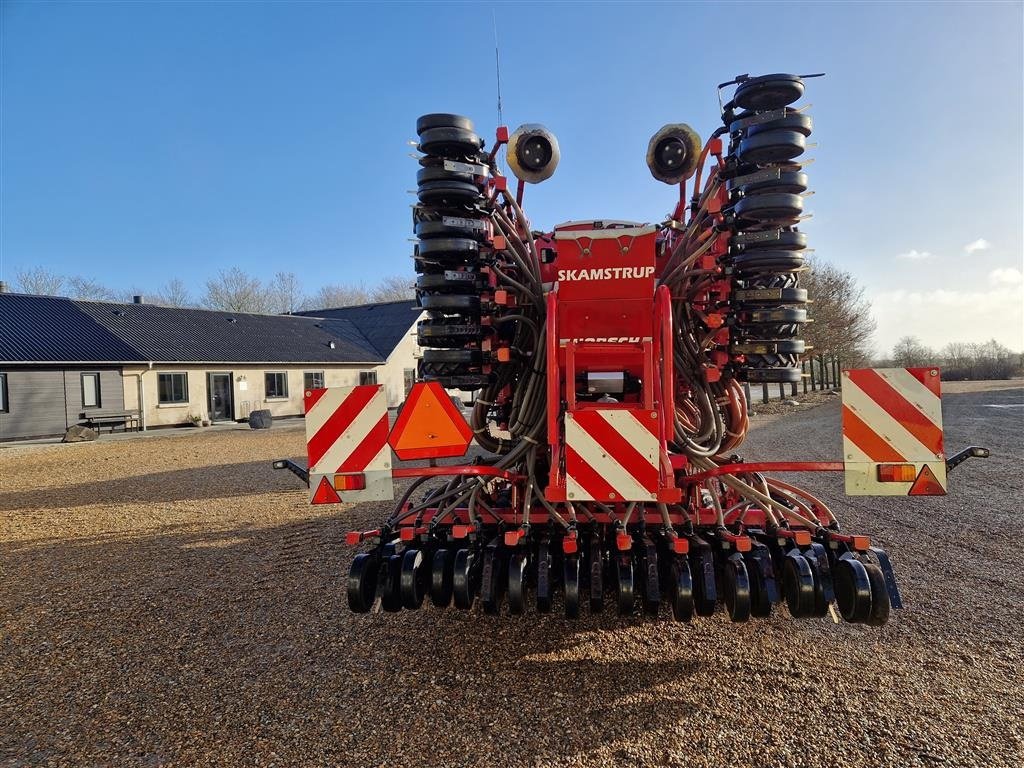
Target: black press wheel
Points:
x,y
768,92
760,599
853,589
596,564
464,579
798,585
441,572
443,120
391,587
705,591
571,586
880,604
413,582
624,588
772,147
771,208
449,142
681,589
517,583
736,588
362,583
493,580
544,576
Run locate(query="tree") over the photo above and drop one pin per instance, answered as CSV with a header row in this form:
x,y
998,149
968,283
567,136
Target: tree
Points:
x,y
330,296
909,352
40,281
235,291
394,288
842,324
87,289
173,294
285,293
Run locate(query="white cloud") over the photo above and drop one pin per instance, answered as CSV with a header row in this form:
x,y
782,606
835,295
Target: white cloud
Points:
x,y
940,316
981,244
916,255
1006,276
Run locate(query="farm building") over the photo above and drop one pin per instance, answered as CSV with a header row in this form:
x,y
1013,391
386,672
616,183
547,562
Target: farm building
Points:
x,y
65,362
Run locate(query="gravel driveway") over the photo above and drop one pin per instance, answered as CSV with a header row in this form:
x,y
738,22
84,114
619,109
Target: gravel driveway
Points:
x,y
176,602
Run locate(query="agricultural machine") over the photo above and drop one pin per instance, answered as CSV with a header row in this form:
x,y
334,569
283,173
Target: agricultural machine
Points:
x,y
607,360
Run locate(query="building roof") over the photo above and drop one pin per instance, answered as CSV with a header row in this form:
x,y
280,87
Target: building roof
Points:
x,y
382,324
42,329
50,329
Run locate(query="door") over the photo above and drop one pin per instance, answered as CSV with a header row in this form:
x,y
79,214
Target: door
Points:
x,y
221,401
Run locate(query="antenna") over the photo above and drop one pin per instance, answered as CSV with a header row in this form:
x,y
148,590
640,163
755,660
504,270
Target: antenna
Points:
x,y
497,63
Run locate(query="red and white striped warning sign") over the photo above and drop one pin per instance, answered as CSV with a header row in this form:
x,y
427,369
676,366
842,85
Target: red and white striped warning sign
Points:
x,y
892,432
611,454
347,444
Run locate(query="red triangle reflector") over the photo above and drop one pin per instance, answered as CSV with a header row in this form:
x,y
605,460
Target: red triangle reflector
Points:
x,y
927,484
325,493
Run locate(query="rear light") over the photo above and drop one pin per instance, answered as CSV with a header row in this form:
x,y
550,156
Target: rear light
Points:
x,y
352,482
896,473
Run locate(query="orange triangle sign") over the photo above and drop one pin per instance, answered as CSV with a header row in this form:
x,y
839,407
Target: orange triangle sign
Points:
x,y
325,493
927,484
430,425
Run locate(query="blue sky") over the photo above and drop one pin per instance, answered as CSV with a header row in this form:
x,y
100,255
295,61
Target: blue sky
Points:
x,y
145,141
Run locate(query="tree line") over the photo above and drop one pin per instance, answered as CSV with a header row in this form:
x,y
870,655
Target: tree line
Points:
x,y
959,360
232,290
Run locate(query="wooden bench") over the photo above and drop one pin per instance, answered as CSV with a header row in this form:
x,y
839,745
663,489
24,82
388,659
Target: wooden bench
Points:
x,y
99,418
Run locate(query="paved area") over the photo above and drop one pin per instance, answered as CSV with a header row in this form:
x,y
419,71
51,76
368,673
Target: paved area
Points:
x,y
176,602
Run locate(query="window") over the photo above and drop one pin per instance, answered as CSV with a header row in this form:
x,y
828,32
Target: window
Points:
x,y
313,380
91,390
5,406
367,377
277,385
172,388
410,379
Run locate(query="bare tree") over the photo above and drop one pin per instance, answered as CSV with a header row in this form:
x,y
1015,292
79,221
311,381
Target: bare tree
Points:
x,y
235,291
285,293
841,321
394,288
909,352
174,294
87,289
40,281
330,296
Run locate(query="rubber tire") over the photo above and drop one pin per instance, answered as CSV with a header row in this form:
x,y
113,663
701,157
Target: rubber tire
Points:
x,y
796,121
463,247
571,586
453,356
880,603
625,590
463,580
447,194
450,303
440,173
441,572
391,592
450,281
853,590
412,582
767,261
760,605
772,147
770,208
362,583
768,92
681,589
772,375
449,142
596,563
736,589
443,120
798,586
517,584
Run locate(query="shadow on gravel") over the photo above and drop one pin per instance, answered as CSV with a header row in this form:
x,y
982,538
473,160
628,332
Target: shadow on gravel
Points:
x,y
206,482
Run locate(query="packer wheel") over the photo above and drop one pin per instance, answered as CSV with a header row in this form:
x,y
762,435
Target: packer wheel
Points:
x,y
362,583
412,582
441,572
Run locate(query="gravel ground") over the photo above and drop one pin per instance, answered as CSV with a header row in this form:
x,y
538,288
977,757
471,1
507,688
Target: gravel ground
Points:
x,y
176,602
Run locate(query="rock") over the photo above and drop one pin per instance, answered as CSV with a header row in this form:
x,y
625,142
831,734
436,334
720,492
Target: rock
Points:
x,y
790,402
260,420
79,434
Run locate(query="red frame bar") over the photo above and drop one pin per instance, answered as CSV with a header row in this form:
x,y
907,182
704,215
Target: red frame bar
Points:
x,y
464,469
